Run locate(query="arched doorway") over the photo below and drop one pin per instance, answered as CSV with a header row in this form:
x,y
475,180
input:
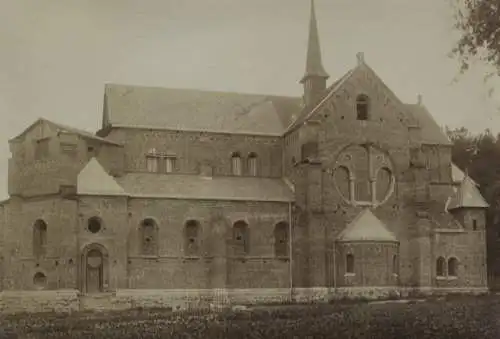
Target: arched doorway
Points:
x,y
94,269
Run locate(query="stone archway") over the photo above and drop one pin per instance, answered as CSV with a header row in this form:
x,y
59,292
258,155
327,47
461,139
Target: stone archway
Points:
x,y
94,269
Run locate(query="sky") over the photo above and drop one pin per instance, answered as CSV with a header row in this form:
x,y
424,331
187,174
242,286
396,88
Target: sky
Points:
x,y
56,55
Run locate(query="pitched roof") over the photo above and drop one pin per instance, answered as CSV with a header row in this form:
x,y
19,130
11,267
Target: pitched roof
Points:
x,y
466,196
366,227
430,132
63,128
306,114
197,110
94,180
185,186
457,175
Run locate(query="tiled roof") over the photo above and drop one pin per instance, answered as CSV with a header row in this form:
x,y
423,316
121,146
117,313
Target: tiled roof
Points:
x,y
185,186
466,196
67,129
430,132
458,175
93,180
197,110
366,227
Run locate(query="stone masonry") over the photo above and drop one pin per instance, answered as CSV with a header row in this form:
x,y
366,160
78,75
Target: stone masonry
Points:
x,y
189,198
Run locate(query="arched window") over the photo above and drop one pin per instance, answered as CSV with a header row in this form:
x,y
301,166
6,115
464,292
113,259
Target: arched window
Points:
x,y
39,280
241,239
384,178
149,237
39,238
440,267
252,164
281,239
341,176
236,164
152,160
349,264
395,264
452,267
362,107
191,238
94,224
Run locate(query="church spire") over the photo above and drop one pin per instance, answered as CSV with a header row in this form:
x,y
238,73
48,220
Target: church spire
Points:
x,y
314,79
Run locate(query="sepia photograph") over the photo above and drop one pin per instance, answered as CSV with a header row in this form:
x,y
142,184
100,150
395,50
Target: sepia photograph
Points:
x,y
302,169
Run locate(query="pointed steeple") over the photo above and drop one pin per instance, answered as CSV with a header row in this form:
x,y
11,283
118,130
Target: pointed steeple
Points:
x,y
314,79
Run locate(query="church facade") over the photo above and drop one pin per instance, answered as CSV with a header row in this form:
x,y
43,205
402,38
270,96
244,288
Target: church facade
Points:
x,y
186,195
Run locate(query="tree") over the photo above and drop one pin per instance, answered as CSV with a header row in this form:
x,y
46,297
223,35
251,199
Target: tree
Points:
x,y
479,24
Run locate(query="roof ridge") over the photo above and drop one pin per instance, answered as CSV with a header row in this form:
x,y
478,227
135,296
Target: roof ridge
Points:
x,y
200,90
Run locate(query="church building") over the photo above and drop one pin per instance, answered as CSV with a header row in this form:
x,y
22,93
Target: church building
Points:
x,y
187,196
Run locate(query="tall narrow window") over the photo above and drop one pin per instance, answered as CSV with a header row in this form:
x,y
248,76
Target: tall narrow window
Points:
x,y
452,267
349,264
39,238
281,239
236,164
474,224
240,238
440,267
152,161
362,107
191,244
42,149
149,237
395,264
169,164
252,164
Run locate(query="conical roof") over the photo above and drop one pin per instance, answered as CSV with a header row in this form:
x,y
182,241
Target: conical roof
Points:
x,y
467,196
314,65
366,227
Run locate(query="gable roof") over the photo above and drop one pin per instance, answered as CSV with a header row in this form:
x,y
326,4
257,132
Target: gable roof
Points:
x,y
430,132
197,110
458,176
467,196
67,129
366,227
307,114
186,186
94,180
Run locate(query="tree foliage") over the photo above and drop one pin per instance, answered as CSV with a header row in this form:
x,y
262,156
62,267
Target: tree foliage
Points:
x,y
479,24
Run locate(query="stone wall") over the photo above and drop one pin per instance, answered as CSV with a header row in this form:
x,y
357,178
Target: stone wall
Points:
x,y
196,149
67,301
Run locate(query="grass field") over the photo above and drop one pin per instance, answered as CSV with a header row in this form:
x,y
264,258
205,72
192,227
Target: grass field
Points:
x,y
455,317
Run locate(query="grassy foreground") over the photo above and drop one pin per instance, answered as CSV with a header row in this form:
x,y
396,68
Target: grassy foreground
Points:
x,y
457,317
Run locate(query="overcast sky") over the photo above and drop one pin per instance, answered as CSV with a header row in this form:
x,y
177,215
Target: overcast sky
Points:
x,y
56,55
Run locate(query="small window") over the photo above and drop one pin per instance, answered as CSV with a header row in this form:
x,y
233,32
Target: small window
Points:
x,y
236,164
452,267
94,225
474,224
252,164
240,238
42,149
149,237
39,280
395,264
39,238
362,107
152,161
169,164
349,264
281,239
191,246
440,267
